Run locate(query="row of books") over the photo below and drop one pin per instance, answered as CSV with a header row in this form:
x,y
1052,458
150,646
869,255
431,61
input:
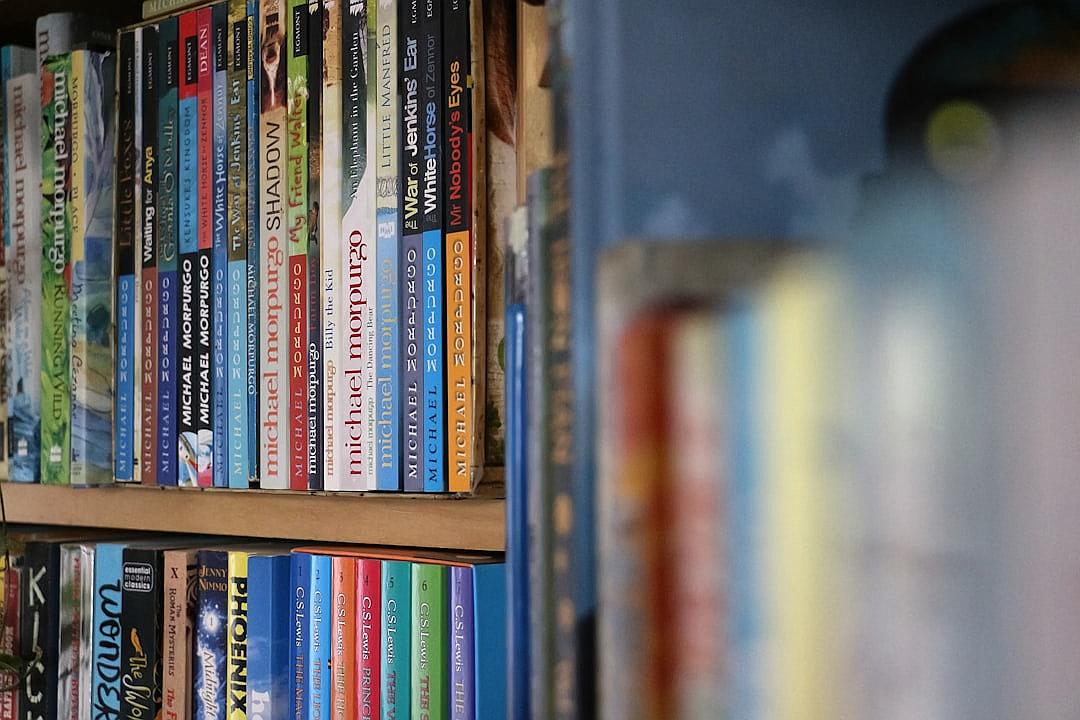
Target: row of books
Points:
x,y
198,629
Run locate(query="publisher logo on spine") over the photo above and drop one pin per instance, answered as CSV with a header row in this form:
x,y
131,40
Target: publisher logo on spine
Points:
x,y
300,30
191,70
138,577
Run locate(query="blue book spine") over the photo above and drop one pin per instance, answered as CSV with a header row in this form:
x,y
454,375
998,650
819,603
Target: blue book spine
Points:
x,y
462,662
396,668
252,66
489,641
388,426
105,686
299,628
269,636
219,254
168,309
210,650
318,673
517,514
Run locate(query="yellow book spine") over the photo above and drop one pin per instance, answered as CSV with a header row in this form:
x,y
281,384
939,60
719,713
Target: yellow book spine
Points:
x,y
236,663
459,373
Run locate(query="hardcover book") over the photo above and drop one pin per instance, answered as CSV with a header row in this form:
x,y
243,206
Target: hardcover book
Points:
x,y
253,75
343,665
168,172
91,301
179,606
140,621
273,249
429,641
210,647
236,665
149,286
204,310
316,29
369,637
270,637
396,664
219,254
24,260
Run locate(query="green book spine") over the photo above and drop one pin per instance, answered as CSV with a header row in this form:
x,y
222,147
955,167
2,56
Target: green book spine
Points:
x,y
429,641
56,253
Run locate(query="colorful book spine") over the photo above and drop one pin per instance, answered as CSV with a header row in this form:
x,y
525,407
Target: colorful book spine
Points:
x,y
387,249
429,642
219,254
343,658
127,168
300,614
84,666
56,254
237,338
357,335
236,664
462,662
188,230
297,190
457,174
330,199
314,444
396,668
412,301
273,265
149,286
251,65
491,658
140,622
135,371
93,80
317,681
210,646
270,637
169,177
369,638
204,346
23,226
105,687
39,631
179,604
76,631
9,642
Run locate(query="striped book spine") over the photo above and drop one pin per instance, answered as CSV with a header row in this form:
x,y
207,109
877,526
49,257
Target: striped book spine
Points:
x,y
204,369
313,399
252,215
219,254
148,279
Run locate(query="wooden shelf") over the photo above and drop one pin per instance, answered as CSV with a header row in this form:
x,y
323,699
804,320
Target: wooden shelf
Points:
x,y
472,523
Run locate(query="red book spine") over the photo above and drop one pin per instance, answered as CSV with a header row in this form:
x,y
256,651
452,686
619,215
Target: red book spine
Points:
x,y
368,634
343,650
298,416
205,225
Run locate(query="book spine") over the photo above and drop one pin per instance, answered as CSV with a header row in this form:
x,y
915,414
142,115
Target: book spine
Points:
x,y
135,371
316,28
86,626
251,67
330,244
369,638
188,231
457,175
319,654
491,657
210,647
236,664
356,421
462,662
127,167
24,262
67,696
237,310
396,666
77,275
429,636
388,246
56,254
148,281
432,197
517,549
168,285
412,377
301,634
179,603
273,297
204,352
269,637
297,189
9,643
140,621
105,687
343,658
219,255
39,618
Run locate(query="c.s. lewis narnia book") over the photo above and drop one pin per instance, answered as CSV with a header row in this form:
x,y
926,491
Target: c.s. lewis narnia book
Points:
x,y
313,462
317,677
412,376
253,74
343,641
429,641
369,637
273,249
219,53
357,323
299,618
56,252
23,225
236,311
204,367
210,646
75,674
188,240
297,219
167,235
388,247
462,669
149,288
395,672
92,82
178,608
270,636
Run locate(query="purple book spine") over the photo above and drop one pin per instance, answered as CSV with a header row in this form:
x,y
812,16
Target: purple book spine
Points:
x,y
462,682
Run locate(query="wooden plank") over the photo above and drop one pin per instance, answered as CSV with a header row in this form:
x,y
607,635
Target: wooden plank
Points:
x,y
472,523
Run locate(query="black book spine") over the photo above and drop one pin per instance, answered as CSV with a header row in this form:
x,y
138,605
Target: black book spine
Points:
x,y
187,424
314,358
39,630
140,623
126,209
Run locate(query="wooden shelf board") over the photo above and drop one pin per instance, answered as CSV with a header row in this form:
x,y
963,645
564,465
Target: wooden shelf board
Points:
x,y
471,523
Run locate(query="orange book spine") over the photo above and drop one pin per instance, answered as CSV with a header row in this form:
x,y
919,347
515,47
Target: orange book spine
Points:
x,y
343,652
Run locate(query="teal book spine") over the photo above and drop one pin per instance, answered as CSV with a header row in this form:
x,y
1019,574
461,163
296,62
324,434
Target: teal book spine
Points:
x,y
396,670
